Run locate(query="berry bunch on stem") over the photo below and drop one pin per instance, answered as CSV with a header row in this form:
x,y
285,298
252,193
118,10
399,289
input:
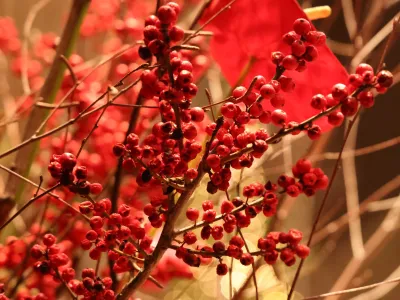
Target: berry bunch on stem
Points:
x,y
157,159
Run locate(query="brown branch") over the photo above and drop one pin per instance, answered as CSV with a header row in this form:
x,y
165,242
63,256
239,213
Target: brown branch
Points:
x,y
253,273
359,289
324,200
340,223
201,12
25,157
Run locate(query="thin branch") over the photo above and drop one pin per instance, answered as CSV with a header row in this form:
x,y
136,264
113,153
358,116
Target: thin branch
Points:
x,y
367,287
26,205
372,44
322,206
201,12
373,245
341,222
209,21
349,18
252,264
24,158
351,194
35,9
378,292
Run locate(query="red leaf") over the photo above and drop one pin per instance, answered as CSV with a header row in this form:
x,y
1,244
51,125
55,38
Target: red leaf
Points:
x,y
255,28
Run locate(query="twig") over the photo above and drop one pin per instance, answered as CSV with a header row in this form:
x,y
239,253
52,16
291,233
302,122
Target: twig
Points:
x,y
349,18
338,224
71,70
48,92
35,9
351,194
378,292
208,21
322,206
373,245
252,264
203,8
26,205
367,287
372,43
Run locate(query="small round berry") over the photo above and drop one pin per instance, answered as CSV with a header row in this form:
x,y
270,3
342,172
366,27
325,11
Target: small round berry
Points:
x,y
298,48
265,117
176,33
318,102
290,62
366,99
301,26
246,259
277,57
144,52
96,188
278,117
67,161
339,91
314,132
37,251
213,160
219,247
222,269
229,110
287,256
189,238
192,214
209,215
267,91
166,14
385,78
335,118
290,37
49,239
362,68
302,251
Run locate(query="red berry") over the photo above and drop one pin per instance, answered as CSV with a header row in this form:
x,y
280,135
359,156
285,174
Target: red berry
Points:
x,y
339,92
213,161
287,256
229,110
226,207
385,78
298,48
189,238
314,132
96,188
266,244
49,239
278,117
209,215
366,99
302,251
290,62
362,68
336,118
318,102
267,91
246,259
67,161
166,14
176,33
301,26
222,269
290,37
192,214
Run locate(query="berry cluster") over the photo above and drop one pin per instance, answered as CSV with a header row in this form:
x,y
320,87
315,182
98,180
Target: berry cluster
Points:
x,y
63,168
